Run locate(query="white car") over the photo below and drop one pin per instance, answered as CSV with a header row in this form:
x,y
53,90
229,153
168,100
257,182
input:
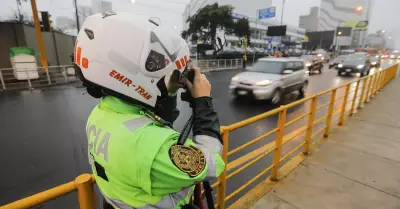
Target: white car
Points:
x,y
271,78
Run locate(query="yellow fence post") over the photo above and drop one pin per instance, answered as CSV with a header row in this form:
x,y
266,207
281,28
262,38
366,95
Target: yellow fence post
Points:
x,y
221,190
86,194
353,103
382,80
278,144
376,87
361,101
311,118
330,113
371,78
373,86
346,96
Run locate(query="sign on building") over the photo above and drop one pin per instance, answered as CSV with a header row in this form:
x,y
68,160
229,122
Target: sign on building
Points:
x,y
266,13
357,25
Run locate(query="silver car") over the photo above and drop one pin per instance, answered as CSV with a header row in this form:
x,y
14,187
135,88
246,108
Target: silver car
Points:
x,y
271,78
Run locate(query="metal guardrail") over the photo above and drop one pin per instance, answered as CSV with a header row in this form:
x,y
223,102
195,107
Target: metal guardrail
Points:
x,y
52,76
66,74
364,89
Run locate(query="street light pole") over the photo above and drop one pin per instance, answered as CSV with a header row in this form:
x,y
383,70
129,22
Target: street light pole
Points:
x,y
77,16
364,37
283,8
254,52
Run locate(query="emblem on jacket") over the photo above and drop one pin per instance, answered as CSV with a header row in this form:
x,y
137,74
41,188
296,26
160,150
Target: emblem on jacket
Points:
x,y
188,159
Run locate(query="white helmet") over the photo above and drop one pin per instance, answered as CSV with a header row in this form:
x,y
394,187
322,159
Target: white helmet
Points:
x,y
128,55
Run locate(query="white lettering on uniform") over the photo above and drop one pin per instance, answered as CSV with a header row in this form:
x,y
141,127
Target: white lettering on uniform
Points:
x,y
103,147
94,146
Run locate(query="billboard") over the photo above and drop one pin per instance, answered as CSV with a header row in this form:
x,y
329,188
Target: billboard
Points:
x,y
357,25
266,13
276,30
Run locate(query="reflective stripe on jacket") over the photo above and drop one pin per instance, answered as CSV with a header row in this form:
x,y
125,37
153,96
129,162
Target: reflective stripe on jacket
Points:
x,y
130,158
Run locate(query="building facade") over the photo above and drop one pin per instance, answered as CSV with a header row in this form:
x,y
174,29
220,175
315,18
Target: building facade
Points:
x,y
83,13
310,22
99,6
334,13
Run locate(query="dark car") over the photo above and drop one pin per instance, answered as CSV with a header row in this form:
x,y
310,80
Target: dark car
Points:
x,y
336,61
375,62
355,64
313,63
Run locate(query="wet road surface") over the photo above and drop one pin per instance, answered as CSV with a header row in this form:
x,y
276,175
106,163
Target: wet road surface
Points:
x,y
43,138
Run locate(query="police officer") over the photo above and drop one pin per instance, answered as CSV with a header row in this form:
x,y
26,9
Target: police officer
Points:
x,y
134,65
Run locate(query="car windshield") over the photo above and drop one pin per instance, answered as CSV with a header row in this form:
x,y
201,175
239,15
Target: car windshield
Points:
x,y
272,67
339,58
354,60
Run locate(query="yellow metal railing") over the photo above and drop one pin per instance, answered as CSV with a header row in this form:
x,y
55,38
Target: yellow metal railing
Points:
x,y
351,95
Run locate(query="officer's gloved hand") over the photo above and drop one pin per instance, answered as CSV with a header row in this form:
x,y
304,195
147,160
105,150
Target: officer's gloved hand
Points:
x,y
200,87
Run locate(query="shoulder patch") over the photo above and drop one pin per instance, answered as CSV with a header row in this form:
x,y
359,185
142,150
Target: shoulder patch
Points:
x,y
188,159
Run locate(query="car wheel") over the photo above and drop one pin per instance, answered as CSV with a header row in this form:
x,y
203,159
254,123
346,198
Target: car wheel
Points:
x,y
276,97
303,89
339,73
330,66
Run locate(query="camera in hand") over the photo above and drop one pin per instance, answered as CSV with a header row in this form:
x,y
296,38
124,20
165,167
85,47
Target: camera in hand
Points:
x,y
189,75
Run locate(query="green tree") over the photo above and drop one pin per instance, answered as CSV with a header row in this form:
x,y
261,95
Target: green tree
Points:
x,y
205,23
242,29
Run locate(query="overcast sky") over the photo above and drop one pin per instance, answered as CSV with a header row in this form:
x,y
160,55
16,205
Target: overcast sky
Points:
x,y
384,13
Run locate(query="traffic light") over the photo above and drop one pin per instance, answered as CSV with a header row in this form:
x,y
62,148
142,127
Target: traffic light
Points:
x,y
45,24
242,42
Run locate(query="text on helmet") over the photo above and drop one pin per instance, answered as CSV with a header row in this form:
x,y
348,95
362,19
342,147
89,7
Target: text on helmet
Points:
x,y
128,82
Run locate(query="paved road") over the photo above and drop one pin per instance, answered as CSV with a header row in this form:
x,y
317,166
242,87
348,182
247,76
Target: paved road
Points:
x,y
44,143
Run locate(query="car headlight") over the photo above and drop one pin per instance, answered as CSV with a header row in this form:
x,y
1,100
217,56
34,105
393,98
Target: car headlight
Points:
x,y
373,63
322,58
360,66
340,65
263,83
391,56
235,78
398,57
377,56
308,64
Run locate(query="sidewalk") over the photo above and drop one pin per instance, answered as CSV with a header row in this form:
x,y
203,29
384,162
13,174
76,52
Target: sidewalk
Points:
x,y
358,167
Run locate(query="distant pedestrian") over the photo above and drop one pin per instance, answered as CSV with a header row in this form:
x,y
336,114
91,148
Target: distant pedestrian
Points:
x,y
286,52
278,53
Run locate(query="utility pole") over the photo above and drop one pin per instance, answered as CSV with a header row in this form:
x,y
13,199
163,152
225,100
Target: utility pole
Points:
x,y
39,37
254,52
18,9
283,8
77,16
